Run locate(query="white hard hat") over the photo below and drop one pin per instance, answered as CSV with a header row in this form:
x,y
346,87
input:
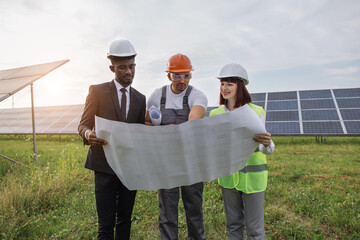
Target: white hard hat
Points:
x,y
234,70
121,48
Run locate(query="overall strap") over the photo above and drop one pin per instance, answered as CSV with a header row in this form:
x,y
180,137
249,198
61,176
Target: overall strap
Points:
x,y
163,98
186,97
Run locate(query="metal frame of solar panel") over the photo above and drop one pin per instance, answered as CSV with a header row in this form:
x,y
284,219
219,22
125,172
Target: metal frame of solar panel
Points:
x,y
312,112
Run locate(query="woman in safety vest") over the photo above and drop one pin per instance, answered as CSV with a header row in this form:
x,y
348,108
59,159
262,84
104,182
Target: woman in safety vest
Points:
x,y
244,191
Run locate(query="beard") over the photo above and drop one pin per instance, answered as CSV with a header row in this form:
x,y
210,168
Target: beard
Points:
x,y
180,87
125,80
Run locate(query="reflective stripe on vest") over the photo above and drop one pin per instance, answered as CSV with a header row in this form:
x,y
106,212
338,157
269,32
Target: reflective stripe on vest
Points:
x,y
254,168
253,177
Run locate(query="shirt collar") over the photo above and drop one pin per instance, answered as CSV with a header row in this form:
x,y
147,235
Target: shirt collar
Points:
x,y
118,86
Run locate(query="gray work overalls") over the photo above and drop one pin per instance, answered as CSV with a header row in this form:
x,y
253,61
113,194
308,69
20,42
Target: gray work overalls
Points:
x,y
191,195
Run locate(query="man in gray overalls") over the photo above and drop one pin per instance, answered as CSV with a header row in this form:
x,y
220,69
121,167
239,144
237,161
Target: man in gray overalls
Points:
x,y
179,102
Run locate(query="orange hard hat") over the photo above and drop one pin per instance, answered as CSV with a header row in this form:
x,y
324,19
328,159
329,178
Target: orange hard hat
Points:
x,y
179,63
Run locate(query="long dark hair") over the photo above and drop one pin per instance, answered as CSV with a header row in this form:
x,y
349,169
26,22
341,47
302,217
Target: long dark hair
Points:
x,y
242,95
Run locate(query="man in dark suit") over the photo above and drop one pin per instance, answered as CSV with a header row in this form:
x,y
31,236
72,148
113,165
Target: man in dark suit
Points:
x,y
115,100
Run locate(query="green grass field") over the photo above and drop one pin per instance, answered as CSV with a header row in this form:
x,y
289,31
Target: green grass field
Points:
x,y
313,192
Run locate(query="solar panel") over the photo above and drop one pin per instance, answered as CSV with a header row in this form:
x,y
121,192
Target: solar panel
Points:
x,y
48,120
322,128
283,128
352,127
282,116
350,114
352,92
261,104
69,129
282,105
348,103
317,104
13,80
5,129
258,97
313,112
319,115
282,96
7,86
313,94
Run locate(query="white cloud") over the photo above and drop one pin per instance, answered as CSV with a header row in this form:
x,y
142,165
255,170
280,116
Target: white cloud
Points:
x,y
272,37
344,71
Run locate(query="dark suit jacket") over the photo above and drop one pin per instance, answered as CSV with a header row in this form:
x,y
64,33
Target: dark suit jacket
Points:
x,y
102,101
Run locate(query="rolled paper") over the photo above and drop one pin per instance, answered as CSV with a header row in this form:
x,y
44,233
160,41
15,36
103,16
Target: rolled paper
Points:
x,y
155,116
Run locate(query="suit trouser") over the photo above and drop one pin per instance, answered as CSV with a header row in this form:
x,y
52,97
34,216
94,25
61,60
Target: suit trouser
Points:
x,y
244,211
114,204
168,211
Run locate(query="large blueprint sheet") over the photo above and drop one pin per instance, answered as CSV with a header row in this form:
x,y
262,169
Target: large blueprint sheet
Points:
x,y
158,157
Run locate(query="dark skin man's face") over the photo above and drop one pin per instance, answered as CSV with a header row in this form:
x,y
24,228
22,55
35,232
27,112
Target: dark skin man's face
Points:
x,y
124,70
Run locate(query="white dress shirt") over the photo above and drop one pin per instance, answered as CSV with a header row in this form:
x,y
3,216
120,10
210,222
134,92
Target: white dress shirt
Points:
x,y
127,93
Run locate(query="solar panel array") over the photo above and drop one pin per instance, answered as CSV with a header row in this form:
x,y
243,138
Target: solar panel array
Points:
x,y
313,112
48,120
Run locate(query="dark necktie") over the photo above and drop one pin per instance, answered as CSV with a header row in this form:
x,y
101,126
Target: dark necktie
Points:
x,y
123,104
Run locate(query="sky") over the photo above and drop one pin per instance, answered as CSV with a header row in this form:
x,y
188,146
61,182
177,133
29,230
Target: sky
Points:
x,y
285,45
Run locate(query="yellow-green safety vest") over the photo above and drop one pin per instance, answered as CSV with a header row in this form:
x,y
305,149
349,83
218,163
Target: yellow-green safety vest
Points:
x,y
253,177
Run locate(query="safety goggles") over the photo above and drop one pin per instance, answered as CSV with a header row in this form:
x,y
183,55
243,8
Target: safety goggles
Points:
x,y
177,77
